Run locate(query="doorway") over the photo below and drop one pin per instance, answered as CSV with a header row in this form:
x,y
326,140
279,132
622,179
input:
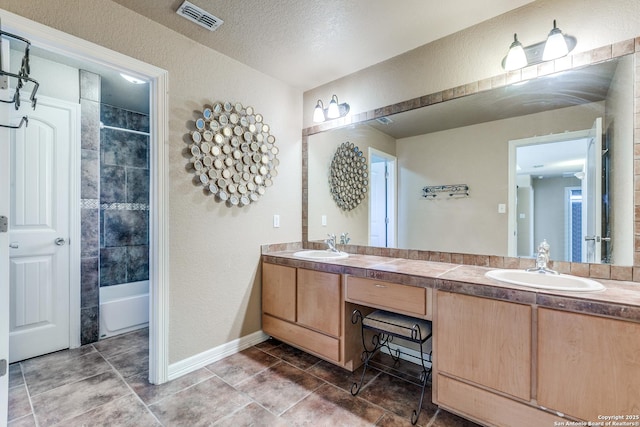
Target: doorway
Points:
x,y
382,199
542,170
52,40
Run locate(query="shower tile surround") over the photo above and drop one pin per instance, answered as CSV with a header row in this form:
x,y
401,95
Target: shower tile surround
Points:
x,y
114,200
90,216
596,271
124,197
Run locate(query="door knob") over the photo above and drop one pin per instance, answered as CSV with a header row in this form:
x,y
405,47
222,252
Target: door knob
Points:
x,y
60,241
14,245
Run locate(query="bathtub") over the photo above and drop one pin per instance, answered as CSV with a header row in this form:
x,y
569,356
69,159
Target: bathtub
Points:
x,y
123,308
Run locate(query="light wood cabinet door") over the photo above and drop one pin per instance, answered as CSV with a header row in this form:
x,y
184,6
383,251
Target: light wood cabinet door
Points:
x,y
588,365
484,341
319,301
279,291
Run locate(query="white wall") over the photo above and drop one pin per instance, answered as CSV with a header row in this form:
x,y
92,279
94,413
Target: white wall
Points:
x,y
214,250
322,147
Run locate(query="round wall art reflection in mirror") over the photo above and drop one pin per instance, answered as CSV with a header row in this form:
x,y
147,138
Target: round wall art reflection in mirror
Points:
x,y
348,176
233,154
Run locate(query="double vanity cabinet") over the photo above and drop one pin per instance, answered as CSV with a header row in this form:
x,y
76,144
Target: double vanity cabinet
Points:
x,y
501,356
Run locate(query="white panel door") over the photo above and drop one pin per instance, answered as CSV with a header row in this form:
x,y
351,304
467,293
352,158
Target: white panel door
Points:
x,y
378,205
39,231
5,117
592,197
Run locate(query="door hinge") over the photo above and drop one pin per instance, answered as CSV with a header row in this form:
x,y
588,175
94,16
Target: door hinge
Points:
x,y
4,224
3,367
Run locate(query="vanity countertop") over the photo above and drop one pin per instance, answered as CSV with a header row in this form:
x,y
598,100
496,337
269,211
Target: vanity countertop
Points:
x,y
620,299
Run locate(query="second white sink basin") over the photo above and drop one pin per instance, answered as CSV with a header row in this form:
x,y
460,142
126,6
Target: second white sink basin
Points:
x,y
321,255
557,282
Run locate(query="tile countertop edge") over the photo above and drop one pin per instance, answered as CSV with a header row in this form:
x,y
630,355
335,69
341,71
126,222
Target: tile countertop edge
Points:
x,y
620,300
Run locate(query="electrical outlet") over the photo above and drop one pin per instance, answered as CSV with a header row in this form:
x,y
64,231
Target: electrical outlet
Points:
x,y
502,208
276,221
324,220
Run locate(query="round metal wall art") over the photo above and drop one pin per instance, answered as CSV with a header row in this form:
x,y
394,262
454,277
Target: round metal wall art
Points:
x,y
348,179
234,155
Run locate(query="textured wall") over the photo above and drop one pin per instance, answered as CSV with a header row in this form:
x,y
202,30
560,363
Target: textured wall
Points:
x,y
214,250
322,147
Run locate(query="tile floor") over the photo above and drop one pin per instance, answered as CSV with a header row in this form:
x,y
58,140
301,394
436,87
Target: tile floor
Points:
x,y
270,384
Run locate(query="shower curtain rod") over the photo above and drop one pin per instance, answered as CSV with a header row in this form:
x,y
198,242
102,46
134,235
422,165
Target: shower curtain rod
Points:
x,y
103,126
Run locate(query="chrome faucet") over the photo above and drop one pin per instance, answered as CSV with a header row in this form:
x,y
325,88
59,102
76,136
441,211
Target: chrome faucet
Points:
x,y
344,240
331,243
542,258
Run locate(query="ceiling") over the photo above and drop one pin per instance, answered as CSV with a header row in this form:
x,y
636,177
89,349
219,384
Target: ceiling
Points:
x,y
566,89
307,43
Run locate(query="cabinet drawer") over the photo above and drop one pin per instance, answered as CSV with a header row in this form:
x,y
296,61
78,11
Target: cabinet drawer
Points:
x,y
484,406
391,296
315,342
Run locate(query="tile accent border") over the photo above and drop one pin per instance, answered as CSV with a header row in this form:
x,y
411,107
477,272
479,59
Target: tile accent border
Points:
x,y
596,271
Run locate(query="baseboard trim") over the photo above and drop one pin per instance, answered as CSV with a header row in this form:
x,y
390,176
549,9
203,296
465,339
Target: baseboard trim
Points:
x,y
205,358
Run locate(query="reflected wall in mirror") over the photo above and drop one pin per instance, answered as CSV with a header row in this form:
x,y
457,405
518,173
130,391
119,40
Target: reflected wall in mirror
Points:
x,y
486,141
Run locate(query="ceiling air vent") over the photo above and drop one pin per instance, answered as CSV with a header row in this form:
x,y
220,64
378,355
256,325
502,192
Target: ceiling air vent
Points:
x,y
199,16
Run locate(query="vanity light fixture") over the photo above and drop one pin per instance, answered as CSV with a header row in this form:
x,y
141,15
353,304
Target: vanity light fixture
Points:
x,y
318,112
516,57
556,46
334,111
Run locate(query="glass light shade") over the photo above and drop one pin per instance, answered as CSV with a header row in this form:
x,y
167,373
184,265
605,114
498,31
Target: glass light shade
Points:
x,y
318,113
333,112
516,57
556,45
131,79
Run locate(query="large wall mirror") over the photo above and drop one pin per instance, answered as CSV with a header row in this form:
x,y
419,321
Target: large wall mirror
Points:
x,y
546,158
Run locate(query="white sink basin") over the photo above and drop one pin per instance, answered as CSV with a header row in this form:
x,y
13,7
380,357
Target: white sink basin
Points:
x,y
557,282
321,255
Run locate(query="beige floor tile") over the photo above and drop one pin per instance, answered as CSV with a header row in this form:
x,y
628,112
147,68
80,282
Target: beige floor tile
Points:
x,y
151,393
398,397
27,421
332,406
123,343
280,387
240,366
127,411
76,398
15,375
251,415
130,363
292,355
199,405
19,405
341,377
48,374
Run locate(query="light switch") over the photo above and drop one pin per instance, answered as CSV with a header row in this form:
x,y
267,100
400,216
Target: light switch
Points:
x,y
502,208
276,221
324,220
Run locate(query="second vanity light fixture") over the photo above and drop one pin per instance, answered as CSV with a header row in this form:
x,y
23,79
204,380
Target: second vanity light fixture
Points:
x,y
334,111
556,46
